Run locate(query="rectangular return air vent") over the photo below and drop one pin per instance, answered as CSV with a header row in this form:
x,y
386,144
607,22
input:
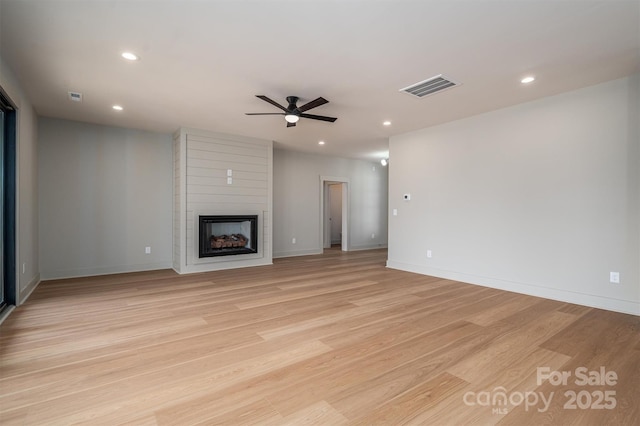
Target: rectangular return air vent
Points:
x,y
430,86
75,96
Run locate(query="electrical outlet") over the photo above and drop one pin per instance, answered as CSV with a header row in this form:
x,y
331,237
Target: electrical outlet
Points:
x,y
373,236
147,250
293,240
614,277
429,254
395,212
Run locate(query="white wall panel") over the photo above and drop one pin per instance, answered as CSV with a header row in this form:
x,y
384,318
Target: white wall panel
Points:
x,y
541,198
208,158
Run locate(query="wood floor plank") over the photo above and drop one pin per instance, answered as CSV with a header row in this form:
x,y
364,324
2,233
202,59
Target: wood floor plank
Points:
x,y
509,347
318,414
360,369
516,379
404,408
361,397
259,413
113,403
330,339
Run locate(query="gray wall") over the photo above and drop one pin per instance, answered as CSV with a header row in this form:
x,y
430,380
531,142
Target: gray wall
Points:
x,y
27,164
296,201
541,198
105,194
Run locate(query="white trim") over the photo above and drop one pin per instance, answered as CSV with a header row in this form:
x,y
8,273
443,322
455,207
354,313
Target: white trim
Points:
x,y
616,305
108,270
26,293
193,269
368,247
309,252
5,313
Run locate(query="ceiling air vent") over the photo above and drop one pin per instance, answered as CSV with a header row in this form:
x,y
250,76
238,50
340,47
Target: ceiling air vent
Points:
x,y
75,96
430,86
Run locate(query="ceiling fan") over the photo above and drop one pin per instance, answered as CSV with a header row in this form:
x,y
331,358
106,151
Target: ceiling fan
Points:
x,y
292,113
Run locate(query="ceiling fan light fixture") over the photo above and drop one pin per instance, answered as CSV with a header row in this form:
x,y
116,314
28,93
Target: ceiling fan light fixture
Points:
x,y
292,118
130,56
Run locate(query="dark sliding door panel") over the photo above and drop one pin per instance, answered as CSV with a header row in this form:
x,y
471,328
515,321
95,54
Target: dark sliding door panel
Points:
x,y
8,197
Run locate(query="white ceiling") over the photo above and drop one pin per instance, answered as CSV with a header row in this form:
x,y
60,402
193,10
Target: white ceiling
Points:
x,y
203,61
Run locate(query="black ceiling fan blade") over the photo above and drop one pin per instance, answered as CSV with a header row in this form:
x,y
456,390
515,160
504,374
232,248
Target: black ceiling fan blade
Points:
x,y
291,124
272,102
319,117
313,104
264,113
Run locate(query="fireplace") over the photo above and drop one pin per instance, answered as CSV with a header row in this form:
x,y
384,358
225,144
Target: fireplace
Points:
x,y
228,235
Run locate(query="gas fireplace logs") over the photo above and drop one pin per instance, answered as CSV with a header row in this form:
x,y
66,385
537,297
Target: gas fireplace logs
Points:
x,y
228,241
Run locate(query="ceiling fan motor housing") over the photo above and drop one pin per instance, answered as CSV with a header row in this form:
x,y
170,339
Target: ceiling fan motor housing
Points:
x,y
293,100
292,110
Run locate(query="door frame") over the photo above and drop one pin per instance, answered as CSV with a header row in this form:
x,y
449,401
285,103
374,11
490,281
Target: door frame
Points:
x,y
324,214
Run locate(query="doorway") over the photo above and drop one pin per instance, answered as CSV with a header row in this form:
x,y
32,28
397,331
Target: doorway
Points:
x,y
335,214
334,208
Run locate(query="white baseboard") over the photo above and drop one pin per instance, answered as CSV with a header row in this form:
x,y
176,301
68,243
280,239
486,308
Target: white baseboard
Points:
x,y
107,270
220,266
616,305
26,292
5,313
311,252
368,247
308,252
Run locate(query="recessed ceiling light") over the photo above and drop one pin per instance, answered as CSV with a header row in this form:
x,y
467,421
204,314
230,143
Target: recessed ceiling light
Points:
x,y
321,143
528,79
130,56
386,123
117,107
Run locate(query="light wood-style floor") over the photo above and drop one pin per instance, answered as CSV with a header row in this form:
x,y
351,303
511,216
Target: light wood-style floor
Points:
x,y
333,339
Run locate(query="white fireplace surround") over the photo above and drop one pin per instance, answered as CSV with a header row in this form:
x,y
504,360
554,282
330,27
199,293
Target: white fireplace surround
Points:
x,y
217,174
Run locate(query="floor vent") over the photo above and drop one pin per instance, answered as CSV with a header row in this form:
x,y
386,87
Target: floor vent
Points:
x,y
430,86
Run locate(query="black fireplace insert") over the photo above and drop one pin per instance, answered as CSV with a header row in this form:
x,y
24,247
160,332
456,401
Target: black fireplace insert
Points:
x,y
228,235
